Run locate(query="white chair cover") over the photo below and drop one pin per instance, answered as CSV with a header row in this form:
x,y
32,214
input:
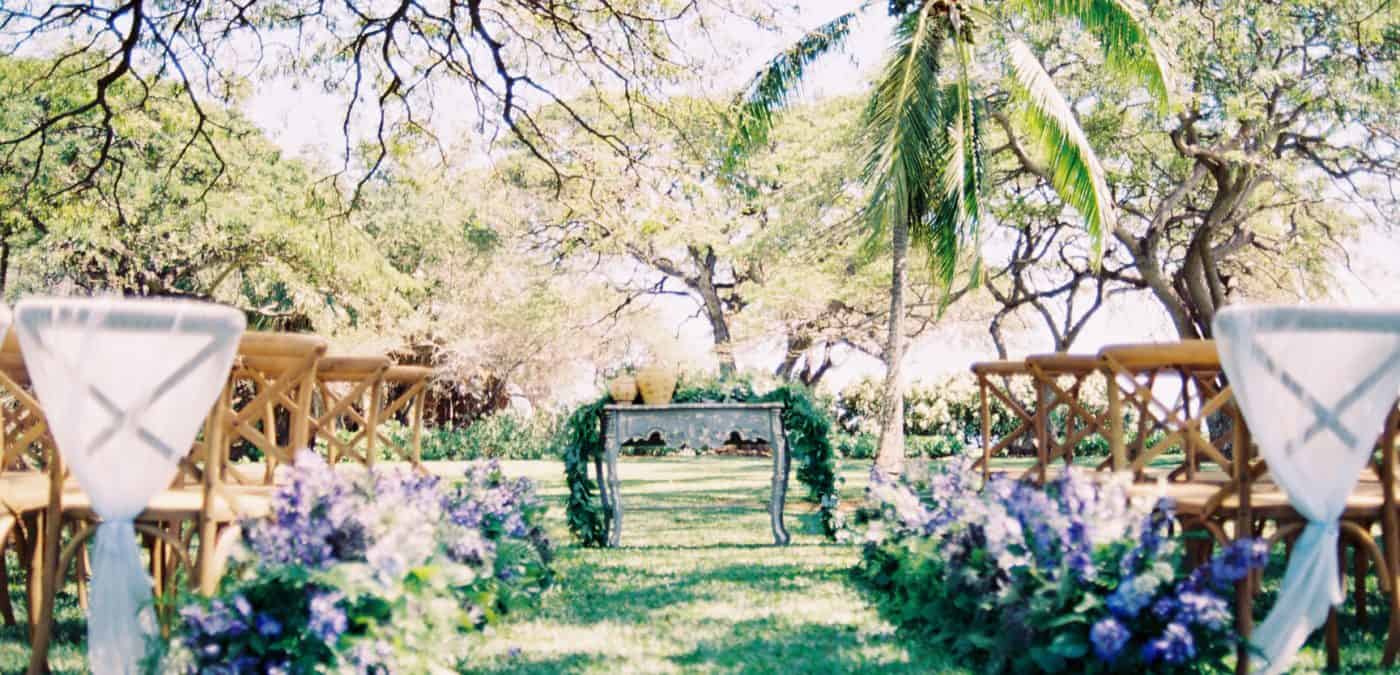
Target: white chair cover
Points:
x,y
126,385
1315,385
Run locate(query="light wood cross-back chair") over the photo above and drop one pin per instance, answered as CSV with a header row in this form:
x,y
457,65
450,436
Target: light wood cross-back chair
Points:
x,y
363,380
406,394
1236,498
994,381
1190,370
30,470
268,404
1061,381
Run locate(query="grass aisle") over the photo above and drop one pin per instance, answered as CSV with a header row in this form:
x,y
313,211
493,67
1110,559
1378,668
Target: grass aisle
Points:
x,y
698,586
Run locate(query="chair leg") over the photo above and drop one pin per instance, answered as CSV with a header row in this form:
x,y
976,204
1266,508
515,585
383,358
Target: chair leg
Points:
x,y
1392,638
1360,564
81,576
7,607
1334,633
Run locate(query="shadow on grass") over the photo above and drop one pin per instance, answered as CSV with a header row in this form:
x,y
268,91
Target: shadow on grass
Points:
x,y
623,593
528,665
758,646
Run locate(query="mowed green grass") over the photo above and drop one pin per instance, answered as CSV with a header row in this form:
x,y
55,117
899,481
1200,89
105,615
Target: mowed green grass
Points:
x,y
698,587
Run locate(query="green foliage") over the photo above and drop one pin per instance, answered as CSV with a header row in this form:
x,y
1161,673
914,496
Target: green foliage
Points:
x,y
775,84
582,439
905,127
924,170
805,423
1050,122
502,435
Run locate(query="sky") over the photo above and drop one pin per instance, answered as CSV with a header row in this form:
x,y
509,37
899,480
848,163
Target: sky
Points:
x,y
306,122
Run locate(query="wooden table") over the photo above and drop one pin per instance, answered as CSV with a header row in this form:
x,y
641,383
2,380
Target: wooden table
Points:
x,y
696,425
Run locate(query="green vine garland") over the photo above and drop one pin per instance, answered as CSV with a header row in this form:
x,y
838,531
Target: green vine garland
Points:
x,y
805,422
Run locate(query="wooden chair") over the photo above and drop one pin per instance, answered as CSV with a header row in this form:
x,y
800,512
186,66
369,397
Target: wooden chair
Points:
x,y
1236,499
406,390
1192,370
30,470
187,528
996,378
1061,380
364,378
272,383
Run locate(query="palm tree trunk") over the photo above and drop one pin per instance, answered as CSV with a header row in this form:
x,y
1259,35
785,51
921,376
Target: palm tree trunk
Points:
x,y
890,457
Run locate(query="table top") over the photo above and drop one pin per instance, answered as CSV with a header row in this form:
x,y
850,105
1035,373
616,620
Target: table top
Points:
x,y
623,407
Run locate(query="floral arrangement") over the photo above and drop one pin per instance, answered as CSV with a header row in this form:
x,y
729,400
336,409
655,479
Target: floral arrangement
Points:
x,y
1075,577
366,572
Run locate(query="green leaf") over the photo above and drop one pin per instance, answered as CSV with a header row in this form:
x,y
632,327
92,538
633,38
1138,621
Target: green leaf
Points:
x,y
1075,171
1069,645
777,82
1128,46
906,128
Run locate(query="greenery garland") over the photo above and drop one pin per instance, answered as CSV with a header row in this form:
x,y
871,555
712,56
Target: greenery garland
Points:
x,y
805,423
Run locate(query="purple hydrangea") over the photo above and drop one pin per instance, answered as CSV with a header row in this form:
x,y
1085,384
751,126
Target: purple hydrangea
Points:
x,y
328,618
1203,609
1237,559
1175,646
1109,637
1133,595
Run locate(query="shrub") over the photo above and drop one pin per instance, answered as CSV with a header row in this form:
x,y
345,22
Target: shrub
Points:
x,y
383,571
502,435
950,409
1075,577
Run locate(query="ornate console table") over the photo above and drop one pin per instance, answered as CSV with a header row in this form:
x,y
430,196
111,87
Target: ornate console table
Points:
x,y
696,425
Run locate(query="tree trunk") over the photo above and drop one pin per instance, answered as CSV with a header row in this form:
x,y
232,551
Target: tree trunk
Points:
x,y
714,310
890,457
4,265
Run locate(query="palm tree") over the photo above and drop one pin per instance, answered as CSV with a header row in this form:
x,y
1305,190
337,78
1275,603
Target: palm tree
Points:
x,y
924,171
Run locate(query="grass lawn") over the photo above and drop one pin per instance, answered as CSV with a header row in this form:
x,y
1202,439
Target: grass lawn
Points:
x,y
698,587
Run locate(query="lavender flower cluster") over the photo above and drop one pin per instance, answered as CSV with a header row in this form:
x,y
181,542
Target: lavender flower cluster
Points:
x,y
366,572
1080,570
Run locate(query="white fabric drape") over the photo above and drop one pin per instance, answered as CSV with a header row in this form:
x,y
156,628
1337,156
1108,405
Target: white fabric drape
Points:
x,y
1315,385
126,385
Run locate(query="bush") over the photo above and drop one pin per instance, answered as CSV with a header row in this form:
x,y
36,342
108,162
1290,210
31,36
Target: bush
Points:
x,y
1075,577
383,571
502,435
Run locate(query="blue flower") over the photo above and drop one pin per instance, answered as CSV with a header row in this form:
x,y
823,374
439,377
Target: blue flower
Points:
x,y
1204,609
1165,608
1175,646
328,618
1108,637
1133,595
268,626
1237,559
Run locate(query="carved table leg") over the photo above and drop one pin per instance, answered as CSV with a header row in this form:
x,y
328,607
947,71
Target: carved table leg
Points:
x,y
613,441
781,467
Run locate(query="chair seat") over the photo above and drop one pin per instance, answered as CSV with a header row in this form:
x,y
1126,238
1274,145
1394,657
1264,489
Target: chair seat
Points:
x,y
184,503
1366,503
23,492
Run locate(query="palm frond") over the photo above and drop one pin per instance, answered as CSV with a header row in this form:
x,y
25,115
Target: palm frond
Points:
x,y
1128,45
1075,171
778,81
905,127
957,214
